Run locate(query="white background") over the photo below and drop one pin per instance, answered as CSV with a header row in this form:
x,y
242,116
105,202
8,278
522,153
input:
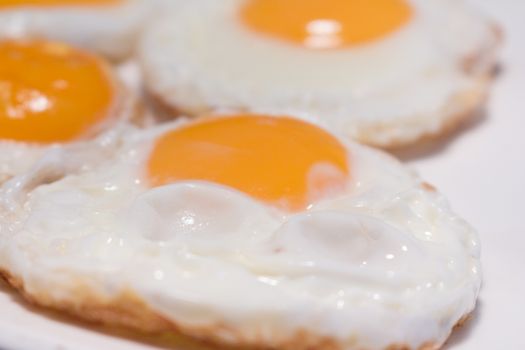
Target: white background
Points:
x,y
481,169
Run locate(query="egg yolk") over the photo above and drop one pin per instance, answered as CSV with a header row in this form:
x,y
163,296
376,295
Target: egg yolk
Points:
x,y
326,24
51,92
283,161
14,3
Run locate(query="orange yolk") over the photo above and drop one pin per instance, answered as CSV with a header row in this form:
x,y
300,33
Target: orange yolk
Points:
x,y
14,3
50,92
325,24
283,161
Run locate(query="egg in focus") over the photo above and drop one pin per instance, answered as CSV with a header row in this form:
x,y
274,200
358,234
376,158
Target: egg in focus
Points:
x,y
50,94
108,27
265,157
284,233
385,72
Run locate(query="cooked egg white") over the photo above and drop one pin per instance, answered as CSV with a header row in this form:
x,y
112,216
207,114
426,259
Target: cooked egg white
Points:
x,y
384,261
109,27
426,70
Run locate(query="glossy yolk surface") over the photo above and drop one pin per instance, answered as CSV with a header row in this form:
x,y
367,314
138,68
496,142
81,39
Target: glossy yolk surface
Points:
x,y
50,92
14,3
283,161
324,24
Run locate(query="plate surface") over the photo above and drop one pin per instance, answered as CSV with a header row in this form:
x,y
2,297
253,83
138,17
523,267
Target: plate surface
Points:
x,y
480,169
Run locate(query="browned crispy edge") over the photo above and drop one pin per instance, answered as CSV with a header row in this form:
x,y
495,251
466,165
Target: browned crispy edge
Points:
x,y
472,100
129,311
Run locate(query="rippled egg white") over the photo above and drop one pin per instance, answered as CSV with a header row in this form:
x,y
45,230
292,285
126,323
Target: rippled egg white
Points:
x,y
166,219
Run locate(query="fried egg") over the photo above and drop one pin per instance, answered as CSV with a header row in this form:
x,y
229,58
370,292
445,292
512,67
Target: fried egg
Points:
x,y
386,72
109,27
51,94
253,230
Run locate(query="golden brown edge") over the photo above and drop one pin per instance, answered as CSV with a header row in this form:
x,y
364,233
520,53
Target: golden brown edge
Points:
x,y
473,101
130,312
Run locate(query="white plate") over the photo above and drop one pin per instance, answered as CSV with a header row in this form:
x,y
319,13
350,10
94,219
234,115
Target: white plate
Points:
x,y
481,170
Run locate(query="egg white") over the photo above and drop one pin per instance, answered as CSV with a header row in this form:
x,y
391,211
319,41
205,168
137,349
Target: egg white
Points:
x,y
386,262
111,30
416,81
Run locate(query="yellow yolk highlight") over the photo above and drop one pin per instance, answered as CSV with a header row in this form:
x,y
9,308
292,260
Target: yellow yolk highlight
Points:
x,y
283,161
326,24
51,92
43,3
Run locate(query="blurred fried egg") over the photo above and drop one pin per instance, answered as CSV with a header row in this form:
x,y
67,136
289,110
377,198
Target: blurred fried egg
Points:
x,y
243,230
387,72
50,94
109,27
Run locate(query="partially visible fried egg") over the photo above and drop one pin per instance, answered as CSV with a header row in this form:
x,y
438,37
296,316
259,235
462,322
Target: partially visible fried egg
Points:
x,y
109,27
386,72
52,94
251,230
